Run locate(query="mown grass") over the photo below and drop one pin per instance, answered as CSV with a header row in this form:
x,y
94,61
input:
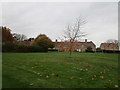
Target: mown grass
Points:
x,y
59,70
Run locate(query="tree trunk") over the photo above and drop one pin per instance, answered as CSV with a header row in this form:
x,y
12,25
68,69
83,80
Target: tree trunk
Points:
x,y
70,52
70,48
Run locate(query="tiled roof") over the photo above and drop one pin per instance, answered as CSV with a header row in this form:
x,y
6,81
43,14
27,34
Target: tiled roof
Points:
x,y
85,43
109,44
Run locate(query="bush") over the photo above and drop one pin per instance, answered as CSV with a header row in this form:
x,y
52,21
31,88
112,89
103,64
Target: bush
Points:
x,y
89,49
16,47
51,49
36,49
21,48
110,51
98,50
8,47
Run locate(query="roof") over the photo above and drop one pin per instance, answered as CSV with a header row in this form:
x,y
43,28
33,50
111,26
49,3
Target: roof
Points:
x,y
109,44
82,43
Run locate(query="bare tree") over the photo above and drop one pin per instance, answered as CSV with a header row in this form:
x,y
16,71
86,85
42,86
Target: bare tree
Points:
x,y
112,41
19,37
73,32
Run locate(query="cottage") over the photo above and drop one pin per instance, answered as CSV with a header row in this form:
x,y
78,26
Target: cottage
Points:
x,y
109,46
76,46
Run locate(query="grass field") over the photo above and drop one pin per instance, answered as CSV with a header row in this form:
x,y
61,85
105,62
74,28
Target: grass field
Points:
x,y
58,70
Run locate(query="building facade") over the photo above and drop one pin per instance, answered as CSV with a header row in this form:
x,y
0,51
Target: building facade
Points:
x,y
109,46
74,46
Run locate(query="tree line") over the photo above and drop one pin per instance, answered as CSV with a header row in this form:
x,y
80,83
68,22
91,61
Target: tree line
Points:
x,y
13,42
73,33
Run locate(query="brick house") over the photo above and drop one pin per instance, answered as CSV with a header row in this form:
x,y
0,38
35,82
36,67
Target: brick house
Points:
x,y
109,46
76,46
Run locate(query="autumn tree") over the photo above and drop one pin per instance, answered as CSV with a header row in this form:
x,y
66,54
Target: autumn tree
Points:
x,y
73,32
6,35
7,39
43,41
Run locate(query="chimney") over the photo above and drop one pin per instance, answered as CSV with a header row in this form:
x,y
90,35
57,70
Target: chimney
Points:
x,y
85,40
56,40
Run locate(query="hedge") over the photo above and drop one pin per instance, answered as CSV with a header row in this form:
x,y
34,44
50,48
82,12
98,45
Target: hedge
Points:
x,y
15,47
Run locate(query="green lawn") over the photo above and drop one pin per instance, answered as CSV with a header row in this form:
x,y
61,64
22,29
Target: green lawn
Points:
x,y
58,70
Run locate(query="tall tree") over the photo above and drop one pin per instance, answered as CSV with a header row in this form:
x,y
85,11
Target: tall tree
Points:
x,y
43,41
73,32
6,35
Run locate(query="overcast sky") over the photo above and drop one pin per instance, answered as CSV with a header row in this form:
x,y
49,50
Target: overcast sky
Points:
x,y
50,18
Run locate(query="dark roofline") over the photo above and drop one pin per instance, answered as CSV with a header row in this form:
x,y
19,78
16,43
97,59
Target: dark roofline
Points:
x,y
80,42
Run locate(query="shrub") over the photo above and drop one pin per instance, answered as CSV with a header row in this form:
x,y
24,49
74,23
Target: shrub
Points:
x,y
8,47
21,48
51,49
16,47
89,49
36,49
98,50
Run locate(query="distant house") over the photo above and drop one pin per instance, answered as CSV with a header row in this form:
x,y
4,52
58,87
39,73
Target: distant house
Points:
x,y
109,46
76,46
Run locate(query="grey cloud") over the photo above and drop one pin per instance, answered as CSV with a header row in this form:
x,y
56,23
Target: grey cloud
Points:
x,y
32,19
